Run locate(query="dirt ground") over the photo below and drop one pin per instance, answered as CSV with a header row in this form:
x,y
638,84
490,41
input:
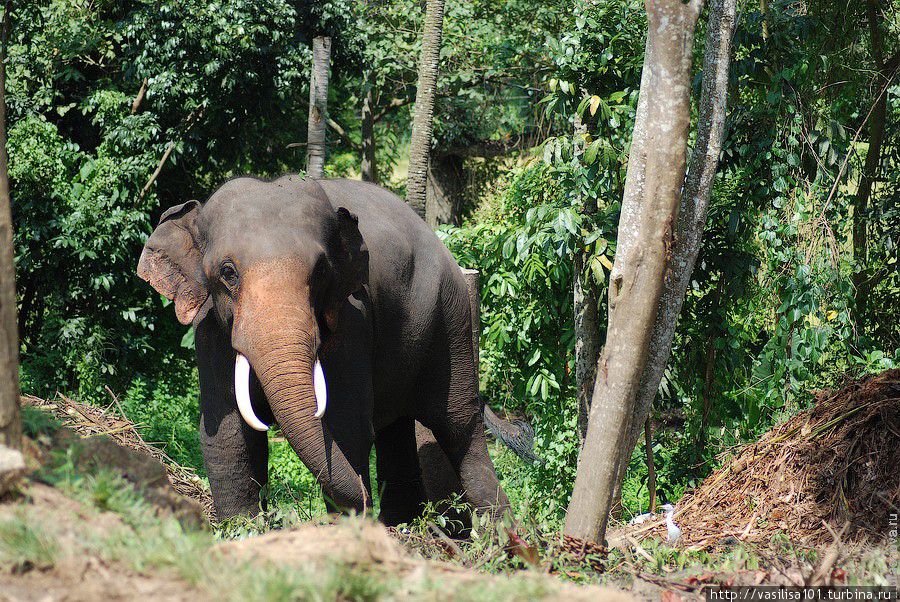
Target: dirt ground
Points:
x,y
79,576
825,479
90,561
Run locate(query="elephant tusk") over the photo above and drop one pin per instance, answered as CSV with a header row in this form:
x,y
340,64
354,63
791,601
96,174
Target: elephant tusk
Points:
x,y
321,389
242,393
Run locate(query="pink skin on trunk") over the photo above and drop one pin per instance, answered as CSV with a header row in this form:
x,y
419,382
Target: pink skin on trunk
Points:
x,y
276,331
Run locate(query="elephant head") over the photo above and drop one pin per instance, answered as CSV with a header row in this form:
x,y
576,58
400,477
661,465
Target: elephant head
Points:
x,y
275,262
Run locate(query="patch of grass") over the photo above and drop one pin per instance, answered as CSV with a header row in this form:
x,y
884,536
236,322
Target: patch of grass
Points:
x,y
23,544
349,583
36,422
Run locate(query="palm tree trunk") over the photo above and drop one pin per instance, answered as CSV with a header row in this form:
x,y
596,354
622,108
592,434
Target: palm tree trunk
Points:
x,y
367,162
656,170
10,426
318,107
420,145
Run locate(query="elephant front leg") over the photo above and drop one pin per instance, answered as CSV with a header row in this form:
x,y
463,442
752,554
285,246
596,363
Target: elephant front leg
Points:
x,y
236,456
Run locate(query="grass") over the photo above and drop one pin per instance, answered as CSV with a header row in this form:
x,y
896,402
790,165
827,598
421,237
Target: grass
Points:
x,y
118,526
23,544
142,541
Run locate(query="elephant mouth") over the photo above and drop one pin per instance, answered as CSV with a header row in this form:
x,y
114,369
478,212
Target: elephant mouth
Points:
x,y
242,392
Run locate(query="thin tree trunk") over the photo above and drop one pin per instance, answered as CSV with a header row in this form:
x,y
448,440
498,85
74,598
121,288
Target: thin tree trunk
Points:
x,y
367,163
709,367
694,206
637,280
420,145
877,123
587,320
10,426
651,465
140,97
318,107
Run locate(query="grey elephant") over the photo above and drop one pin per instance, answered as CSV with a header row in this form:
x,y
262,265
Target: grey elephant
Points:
x,y
331,308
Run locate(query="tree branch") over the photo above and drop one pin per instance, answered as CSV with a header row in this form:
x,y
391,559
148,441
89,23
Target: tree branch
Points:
x,y
395,103
140,97
157,171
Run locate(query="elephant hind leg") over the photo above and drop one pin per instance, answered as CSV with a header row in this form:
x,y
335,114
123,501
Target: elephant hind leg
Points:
x,y
465,446
398,474
441,482
452,410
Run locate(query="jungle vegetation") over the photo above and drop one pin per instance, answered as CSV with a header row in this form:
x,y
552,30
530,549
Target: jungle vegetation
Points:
x,y
117,110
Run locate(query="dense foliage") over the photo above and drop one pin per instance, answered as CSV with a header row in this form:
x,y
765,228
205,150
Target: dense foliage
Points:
x,y
772,312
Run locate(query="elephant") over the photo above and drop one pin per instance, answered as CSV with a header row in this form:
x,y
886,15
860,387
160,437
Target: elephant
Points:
x,y
331,308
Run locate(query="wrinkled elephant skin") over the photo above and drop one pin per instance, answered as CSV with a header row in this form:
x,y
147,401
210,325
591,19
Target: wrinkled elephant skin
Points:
x,y
329,308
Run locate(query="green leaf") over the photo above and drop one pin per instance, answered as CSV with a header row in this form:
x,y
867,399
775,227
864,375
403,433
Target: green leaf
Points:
x,y
590,153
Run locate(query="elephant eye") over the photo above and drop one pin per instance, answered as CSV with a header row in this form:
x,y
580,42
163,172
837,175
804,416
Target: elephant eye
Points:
x,y
228,274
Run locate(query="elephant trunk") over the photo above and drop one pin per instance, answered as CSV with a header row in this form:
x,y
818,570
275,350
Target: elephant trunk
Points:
x,y
281,342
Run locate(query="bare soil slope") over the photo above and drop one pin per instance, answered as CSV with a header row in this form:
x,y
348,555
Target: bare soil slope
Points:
x,y
98,520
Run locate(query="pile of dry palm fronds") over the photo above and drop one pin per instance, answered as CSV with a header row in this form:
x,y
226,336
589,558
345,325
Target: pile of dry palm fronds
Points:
x,y
837,463
90,421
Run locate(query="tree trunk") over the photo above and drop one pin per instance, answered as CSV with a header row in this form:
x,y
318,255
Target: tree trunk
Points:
x,y
709,367
649,210
694,206
443,196
587,320
367,163
877,124
651,465
318,107
10,426
420,145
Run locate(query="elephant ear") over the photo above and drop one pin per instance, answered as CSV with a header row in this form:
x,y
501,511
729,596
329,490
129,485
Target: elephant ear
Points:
x,y
351,258
172,262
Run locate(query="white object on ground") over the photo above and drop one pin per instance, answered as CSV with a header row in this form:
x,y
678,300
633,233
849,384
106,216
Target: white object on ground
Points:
x,y
673,530
641,518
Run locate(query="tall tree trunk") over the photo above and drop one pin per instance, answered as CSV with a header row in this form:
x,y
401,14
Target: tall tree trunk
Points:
x,y
694,207
10,426
877,124
420,145
587,320
318,107
653,185
367,164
